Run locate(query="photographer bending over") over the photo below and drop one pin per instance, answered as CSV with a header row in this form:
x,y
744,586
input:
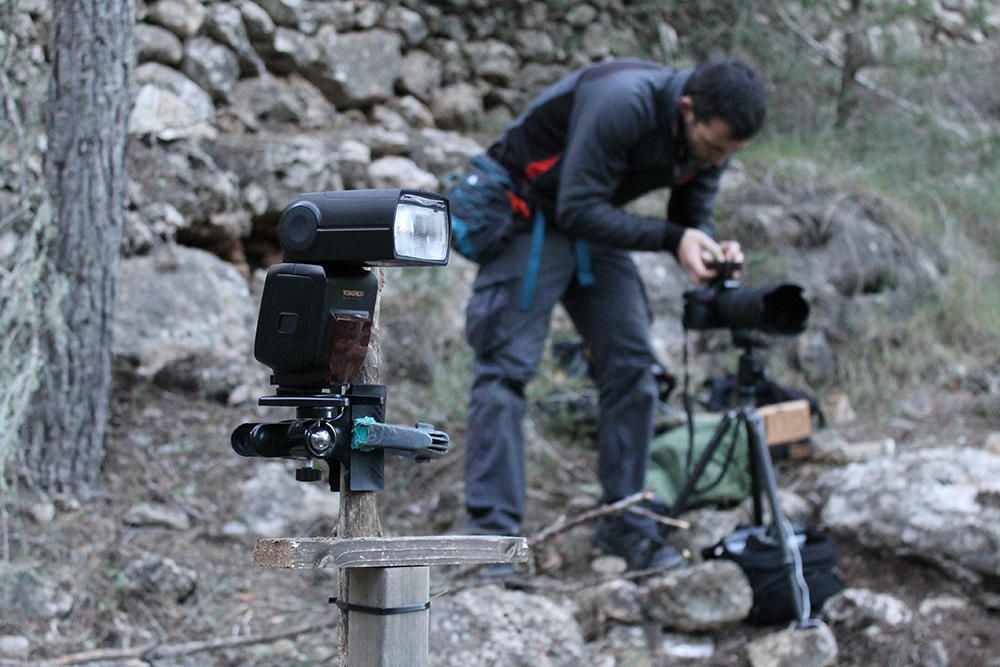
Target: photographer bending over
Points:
x,y
600,137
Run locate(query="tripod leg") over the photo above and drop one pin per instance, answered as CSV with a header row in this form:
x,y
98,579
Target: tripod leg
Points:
x,y
702,463
792,558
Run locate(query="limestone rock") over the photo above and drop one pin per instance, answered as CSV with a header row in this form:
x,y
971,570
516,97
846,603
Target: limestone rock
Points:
x,y
413,111
815,357
211,65
420,73
384,142
36,597
940,504
400,172
14,647
181,17
289,50
442,151
493,60
686,647
283,12
170,106
581,15
459,106
794,648
283,166
493,627
358,68
224,23
273,504
830,445
616,601
355,157
186,181
154,576
269,102
623,646
857,607
157,515
700,597
536,45
407,23
259,24
708,526
194,330
157,44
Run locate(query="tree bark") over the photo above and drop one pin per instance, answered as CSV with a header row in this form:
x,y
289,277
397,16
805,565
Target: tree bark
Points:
x,y
359,509
87,125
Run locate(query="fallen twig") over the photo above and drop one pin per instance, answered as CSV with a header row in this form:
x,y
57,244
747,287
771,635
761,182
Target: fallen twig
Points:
x,y
659,518
565,523
158,651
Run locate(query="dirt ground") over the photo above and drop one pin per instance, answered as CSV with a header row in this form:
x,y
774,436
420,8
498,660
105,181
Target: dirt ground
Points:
x,y
68,587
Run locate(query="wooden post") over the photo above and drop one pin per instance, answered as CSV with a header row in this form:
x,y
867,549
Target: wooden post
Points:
x,y
388,641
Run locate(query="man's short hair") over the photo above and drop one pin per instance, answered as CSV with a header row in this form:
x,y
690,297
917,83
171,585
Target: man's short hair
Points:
x,y
730,90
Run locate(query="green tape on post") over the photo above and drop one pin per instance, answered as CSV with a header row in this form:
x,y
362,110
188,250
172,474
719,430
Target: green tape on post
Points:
x,y
359,435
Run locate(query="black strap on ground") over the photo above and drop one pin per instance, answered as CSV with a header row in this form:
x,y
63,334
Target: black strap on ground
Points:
x,y
381,611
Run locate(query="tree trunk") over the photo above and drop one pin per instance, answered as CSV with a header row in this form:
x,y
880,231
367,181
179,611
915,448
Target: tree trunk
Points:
x,y
856,56
87,125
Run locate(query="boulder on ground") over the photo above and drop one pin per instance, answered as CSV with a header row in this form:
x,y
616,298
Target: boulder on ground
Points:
x,y
184,318
493,627
940,505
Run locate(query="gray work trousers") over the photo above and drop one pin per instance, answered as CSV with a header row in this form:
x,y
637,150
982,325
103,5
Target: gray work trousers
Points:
x,y
612,316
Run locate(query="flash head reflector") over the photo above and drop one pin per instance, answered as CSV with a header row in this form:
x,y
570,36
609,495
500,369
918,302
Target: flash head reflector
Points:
x,y
367,228
421,227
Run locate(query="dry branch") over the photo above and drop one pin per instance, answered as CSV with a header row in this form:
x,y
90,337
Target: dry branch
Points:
x,y
158,651
627,503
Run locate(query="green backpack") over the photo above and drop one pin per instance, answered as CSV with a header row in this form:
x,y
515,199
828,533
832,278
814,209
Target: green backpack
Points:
x,y
726,479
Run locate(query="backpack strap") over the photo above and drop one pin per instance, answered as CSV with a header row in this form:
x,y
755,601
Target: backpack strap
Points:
x,y
584,275
534,261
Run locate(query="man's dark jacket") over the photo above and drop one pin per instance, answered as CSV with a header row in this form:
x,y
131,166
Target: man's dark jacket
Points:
x,y
601,137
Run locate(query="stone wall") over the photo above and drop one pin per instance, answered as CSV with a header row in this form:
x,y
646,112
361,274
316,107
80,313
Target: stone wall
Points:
x,y
240,105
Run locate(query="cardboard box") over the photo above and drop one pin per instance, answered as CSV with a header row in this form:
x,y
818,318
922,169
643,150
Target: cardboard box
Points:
x,y
786,422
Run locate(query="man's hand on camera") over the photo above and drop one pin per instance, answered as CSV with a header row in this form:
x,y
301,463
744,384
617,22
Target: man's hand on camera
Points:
x,y
695,249
732,254
731,251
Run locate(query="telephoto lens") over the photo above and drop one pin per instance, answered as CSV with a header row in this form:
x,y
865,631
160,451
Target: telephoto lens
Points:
x,y
775,309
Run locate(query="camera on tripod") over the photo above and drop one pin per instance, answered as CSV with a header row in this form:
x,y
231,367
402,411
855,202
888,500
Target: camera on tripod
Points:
x,y
315,325
725,304
777,309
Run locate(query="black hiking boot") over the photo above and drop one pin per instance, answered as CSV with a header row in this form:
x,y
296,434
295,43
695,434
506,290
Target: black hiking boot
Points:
x,y
641,549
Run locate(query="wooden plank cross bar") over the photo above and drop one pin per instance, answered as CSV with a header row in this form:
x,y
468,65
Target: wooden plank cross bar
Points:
x,y
318,552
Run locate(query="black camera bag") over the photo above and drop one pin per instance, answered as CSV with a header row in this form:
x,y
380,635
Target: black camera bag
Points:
x,y
760,558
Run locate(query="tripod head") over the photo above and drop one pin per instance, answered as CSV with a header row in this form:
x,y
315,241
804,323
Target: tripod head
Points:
x,y
751,367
